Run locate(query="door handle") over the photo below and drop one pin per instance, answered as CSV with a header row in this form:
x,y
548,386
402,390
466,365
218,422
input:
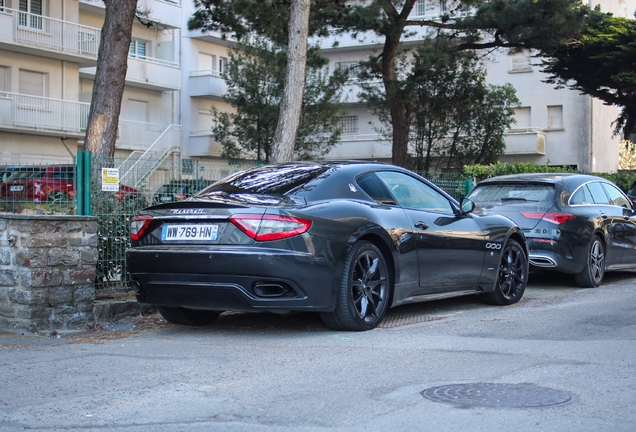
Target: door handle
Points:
x,y
421,225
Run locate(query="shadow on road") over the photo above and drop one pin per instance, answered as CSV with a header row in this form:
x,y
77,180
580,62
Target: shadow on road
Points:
x,y
541,287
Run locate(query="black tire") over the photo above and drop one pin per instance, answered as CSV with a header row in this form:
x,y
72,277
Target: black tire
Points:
x,y
512,277
189,317
594,270
365,287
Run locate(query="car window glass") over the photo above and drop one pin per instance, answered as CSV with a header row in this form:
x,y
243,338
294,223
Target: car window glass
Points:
x,y
412,193
275,180
373,187
581,196
63,174
512,193
598,193
616,196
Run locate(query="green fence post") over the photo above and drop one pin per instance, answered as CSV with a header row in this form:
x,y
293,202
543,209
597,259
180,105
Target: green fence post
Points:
x,y
468,186
79,192
88,175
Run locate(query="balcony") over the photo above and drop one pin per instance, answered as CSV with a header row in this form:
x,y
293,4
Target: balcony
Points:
x,y
42,116
207,84
54,117
147,73
528,141
360,146
201,143
47,37
165,12
213,37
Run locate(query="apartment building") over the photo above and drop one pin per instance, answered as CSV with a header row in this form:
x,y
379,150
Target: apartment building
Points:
x,y
555,127
48,57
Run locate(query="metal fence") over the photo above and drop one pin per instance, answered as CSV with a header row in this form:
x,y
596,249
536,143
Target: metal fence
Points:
x,y
49,189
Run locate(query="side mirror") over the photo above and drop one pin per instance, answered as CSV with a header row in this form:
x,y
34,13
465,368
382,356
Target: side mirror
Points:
x,y
467,206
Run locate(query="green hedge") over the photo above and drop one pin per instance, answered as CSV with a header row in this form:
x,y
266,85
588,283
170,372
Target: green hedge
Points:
x,y
479,172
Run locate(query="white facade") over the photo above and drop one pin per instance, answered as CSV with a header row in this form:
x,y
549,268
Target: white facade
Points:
x,y
48,58
48,55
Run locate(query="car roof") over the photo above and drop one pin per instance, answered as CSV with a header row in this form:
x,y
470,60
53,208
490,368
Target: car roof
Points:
x,y
563,178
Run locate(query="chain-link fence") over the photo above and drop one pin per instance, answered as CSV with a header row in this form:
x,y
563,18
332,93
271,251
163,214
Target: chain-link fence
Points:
x,y
118,188
141,182
38,189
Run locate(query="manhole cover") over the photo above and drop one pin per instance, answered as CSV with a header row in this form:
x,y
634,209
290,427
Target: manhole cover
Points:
x,y
497,395
397,319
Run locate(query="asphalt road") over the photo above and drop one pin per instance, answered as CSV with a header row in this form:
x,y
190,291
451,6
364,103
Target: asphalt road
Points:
x,y
563,359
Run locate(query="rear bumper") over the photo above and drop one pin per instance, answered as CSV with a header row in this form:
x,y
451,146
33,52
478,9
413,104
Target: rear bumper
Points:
x,y
557,254
240,279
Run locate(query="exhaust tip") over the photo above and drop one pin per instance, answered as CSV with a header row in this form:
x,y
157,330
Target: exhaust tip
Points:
x,y
273,289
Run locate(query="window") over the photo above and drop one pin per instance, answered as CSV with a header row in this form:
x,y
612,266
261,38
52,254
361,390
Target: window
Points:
x,y
412,193
207,62
598,193
137,110
348,66
137,49
430,7
4,78
581,196
348,124
33,17
32,83
520,62
522,116
205,121
373,187
555,117
222,65
616,196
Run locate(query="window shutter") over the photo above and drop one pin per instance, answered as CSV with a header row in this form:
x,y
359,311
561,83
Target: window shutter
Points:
x,y
32,83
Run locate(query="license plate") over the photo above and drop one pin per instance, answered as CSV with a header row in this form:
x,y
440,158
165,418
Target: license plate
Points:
x,y
16,188
166,198
190,232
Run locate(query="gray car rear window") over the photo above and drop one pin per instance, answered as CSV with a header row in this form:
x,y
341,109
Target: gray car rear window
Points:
x,y
511,193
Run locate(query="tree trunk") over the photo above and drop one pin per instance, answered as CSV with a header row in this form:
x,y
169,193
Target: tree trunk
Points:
x,y
291,105
398,107
112,63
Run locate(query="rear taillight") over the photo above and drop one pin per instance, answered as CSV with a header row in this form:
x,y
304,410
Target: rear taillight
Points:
x,y
270,227
555,218
138,226
180,196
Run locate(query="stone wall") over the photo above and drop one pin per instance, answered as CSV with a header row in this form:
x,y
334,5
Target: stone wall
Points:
x,y
47,271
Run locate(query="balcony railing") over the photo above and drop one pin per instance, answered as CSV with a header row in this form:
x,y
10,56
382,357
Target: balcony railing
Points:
x,y
53,34
525,141
50,116
45,114
207,84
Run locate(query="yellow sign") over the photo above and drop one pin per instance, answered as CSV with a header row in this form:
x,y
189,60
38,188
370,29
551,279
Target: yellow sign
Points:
x,y
110,179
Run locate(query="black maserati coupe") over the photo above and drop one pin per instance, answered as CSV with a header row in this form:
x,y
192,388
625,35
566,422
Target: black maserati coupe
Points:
x,y
575,223
348,240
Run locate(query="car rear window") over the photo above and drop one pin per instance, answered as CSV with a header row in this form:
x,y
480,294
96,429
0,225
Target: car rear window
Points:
x,y
511,193
274,180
